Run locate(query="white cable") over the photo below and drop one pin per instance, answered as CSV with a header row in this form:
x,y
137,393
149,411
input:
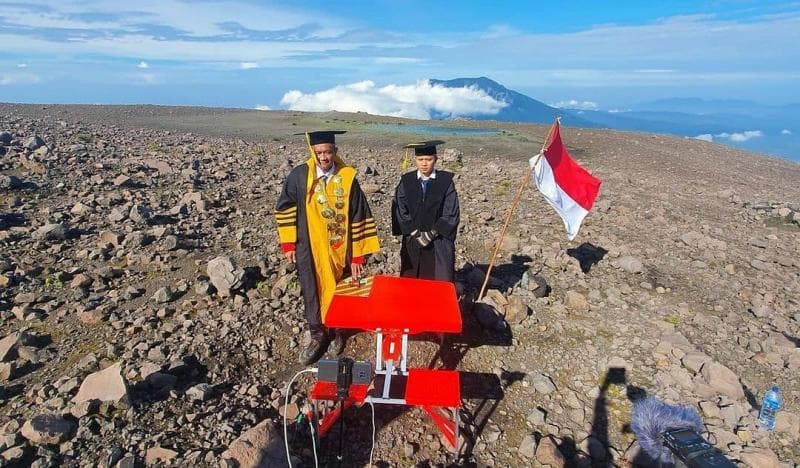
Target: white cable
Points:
x,y
313,443
286,409
373,432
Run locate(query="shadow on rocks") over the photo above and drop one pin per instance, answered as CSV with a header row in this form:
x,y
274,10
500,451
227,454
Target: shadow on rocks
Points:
x,y
587,255
504,276
178,376
598,451
161,220
453,348
12,219
793,339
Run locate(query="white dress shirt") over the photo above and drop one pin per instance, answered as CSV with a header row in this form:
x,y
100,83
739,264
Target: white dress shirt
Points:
x,y
326,174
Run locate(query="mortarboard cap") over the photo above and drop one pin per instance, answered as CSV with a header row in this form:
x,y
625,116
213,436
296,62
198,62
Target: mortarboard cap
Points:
x,y
425,148
327,136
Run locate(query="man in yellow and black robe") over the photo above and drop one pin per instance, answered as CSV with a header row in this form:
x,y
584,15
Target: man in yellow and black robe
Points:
x,y
326,227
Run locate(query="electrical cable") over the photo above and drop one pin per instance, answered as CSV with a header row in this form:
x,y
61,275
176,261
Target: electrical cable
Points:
x,y
371,452
313,442
286,409
340,457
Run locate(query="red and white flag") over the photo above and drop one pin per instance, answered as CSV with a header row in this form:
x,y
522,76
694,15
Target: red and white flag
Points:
x,y
569,188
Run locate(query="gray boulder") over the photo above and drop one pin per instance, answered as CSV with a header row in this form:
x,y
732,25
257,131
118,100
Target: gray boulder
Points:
x,y
259,447
224,275
33,143
48,429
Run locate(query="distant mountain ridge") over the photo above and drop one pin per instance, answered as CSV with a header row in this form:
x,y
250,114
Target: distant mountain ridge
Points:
x,y
520,108
771,129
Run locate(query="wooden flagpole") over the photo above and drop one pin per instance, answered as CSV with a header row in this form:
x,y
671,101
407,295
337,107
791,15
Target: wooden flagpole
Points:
x,y
525,181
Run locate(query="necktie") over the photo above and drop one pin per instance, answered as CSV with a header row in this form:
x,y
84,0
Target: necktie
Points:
x,y
424,183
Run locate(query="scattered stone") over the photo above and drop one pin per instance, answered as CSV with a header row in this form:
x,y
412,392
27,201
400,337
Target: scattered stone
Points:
x,y
52,231
224,275
8,371
527,448
109,238
199,392
9,182
409,449
159,454
48,429
33,142
576,301
760,458
516,310
8,346
722,380
542,383
163,295
259,447
80,209
548,454
788,423
139,214
14,454
629,264
105,385
537,417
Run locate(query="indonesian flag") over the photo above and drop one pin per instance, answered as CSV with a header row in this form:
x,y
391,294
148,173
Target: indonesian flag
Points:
x,y
569,188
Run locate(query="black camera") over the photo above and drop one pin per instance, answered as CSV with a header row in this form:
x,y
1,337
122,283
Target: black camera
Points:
x,y
690,450
344,372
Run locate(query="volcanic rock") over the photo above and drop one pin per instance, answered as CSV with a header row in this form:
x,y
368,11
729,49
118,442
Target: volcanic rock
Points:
x,y
224,275
259,447
48,429
105,385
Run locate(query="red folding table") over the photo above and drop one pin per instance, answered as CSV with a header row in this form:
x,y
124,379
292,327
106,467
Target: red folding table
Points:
x,y
394,309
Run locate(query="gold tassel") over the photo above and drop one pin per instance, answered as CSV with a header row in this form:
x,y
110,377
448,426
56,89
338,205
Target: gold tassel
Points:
x,y
405,162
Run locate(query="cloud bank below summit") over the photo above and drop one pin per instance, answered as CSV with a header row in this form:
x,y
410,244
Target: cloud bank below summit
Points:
x,y
421,100
738,137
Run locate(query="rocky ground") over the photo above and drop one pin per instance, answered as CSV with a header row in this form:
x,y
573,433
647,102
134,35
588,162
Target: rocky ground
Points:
x,y
147,317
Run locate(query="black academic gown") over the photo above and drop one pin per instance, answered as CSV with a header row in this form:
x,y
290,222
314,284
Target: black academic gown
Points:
x,y
293,193
437,209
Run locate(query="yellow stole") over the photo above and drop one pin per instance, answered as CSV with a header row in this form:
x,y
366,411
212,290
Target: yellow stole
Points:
x,y
329,260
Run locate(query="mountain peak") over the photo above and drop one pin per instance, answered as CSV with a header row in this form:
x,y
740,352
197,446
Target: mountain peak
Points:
x,y
519,108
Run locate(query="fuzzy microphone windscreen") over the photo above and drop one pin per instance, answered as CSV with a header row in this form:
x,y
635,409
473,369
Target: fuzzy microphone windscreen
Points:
x,y
651,418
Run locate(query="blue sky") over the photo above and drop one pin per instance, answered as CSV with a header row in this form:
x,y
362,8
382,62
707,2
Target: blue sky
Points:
x,y
376,55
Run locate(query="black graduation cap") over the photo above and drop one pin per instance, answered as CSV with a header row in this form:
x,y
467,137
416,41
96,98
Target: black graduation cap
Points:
x,y
425,148
326,136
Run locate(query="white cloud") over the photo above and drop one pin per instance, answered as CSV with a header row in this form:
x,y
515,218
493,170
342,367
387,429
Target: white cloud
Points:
x,y
575,104
786,132
691,54
7,79
22,65
145,78
500,30
262,107
420,100
738,137
248,65
397,60
204,18
143,64
741,136
654,70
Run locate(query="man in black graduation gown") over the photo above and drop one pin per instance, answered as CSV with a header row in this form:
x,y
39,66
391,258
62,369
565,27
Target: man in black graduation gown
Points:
x,y
425,212
325,226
